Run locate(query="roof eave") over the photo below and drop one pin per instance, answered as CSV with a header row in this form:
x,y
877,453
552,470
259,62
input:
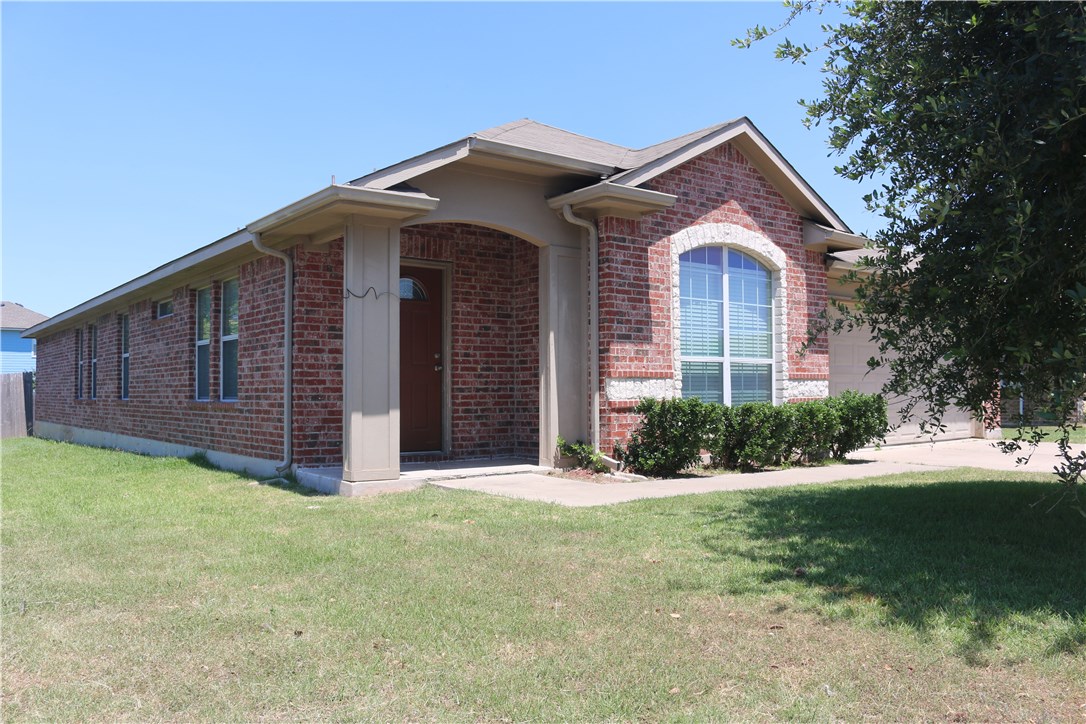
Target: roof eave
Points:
x,y
323,209
607,199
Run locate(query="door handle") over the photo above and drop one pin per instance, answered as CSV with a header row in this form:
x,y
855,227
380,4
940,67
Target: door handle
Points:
x,y
438,368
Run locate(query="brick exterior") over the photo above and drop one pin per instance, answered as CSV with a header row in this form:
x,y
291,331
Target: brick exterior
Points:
x,y
495,335
494,321
161,404
636,275
495,358
318,355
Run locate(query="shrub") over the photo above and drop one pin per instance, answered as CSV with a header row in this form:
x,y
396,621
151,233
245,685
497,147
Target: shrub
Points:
x,y
670,436
586,457
753,435
815,426
863,421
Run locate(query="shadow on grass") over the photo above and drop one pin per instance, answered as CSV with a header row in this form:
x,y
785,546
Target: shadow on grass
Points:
x,y
288,483
972,555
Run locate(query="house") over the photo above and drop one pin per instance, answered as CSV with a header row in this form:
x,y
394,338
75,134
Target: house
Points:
x,y
16,353
475,301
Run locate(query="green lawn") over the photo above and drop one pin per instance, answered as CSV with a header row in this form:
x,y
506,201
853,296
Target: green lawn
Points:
x,y
1050,434
156,589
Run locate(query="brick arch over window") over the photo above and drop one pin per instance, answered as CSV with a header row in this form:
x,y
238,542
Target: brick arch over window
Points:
x,y
762,250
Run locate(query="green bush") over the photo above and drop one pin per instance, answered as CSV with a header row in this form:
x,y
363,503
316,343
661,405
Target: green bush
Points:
x,y
863,421
587,458
753,435
672,433
815,426
670,436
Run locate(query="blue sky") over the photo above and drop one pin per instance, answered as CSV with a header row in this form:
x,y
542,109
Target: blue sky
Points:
x,y
134,133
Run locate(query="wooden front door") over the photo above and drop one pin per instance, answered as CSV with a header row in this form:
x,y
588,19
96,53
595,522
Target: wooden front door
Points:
x,y
421,358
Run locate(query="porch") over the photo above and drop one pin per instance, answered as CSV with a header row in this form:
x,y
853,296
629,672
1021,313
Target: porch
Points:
x,y
330,479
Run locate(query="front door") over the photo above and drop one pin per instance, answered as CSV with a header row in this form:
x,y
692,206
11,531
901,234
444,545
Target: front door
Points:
x,y
421,361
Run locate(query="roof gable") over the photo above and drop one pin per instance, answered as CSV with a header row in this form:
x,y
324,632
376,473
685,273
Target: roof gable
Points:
x,y
537,144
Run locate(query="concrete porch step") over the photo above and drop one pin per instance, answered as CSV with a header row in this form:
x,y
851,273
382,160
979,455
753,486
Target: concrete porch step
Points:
x,y
329,480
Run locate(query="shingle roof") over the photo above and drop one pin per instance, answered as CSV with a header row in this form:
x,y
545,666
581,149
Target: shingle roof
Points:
x,y
15,316
536,136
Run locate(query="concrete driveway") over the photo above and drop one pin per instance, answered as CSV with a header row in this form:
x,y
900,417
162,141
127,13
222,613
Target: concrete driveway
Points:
x,y
863,464
972,453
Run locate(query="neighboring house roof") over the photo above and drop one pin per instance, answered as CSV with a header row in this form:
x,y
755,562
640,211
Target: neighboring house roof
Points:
x,y
15,316
603,173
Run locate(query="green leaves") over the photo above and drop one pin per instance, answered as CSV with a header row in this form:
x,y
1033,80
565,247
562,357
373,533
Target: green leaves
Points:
x,y
976,112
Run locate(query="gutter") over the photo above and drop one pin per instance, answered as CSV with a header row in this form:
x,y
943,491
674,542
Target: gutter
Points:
x,y
593,317
288,345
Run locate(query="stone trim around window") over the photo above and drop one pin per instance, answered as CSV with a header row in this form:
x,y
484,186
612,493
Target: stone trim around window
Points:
x,y
763,250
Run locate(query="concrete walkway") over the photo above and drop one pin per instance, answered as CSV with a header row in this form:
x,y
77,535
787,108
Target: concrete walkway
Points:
x,y
865,463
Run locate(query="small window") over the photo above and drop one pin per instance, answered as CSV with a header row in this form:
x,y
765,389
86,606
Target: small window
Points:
x,y
229,341
203,344
79,364
33,348
164,309
94,361
411,290
124,357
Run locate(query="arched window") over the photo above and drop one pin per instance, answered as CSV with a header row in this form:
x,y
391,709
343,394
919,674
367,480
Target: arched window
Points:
x,y
726,326
411,290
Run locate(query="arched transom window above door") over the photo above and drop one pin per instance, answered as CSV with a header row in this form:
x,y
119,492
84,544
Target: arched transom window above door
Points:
x,y
412,290
726,328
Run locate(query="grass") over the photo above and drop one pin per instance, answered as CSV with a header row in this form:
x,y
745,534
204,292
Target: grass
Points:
x,y
156,589
1051,434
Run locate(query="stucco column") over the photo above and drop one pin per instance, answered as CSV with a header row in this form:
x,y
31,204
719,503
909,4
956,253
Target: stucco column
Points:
x,y
371,352
563,401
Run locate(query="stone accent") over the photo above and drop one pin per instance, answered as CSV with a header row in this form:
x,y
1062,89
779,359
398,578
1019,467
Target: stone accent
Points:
x,y
763,250
635,388
806,389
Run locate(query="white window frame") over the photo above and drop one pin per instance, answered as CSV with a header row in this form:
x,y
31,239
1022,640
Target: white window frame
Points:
x,y
202,343
224,338
79,364
727,360
126,356
93,334
158,308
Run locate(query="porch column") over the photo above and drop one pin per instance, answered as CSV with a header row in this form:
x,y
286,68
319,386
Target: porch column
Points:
x,y
563,407
371,352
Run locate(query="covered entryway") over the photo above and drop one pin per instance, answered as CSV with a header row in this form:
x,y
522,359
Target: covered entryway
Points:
x,y
422,361
849,352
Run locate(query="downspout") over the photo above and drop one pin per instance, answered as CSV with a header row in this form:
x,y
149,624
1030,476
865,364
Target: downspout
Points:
x,y
593,318
288,343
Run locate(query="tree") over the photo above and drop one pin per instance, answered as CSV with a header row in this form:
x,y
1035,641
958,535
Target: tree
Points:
x,y
969,120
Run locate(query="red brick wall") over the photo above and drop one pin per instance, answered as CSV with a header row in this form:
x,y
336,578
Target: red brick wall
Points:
x,y
720,186
161,404
495,335
318,355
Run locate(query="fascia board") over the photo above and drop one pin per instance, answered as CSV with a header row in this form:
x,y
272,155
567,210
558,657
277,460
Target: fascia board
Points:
x,y
817,237
603,196
145,283
554,160
413,167
384,203
750,139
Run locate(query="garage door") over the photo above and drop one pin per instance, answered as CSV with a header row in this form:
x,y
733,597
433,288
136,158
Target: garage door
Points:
x,y
849,352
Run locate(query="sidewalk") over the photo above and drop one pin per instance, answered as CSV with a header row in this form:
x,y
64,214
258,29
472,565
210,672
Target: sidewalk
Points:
x,y
865,463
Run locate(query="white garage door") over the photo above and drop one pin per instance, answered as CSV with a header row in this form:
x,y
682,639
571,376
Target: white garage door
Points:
x,y
849,352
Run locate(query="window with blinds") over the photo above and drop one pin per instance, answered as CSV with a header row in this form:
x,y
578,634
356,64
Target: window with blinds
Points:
x,y
726,326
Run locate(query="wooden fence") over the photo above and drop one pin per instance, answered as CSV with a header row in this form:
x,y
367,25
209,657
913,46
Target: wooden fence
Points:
x,y
17,404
